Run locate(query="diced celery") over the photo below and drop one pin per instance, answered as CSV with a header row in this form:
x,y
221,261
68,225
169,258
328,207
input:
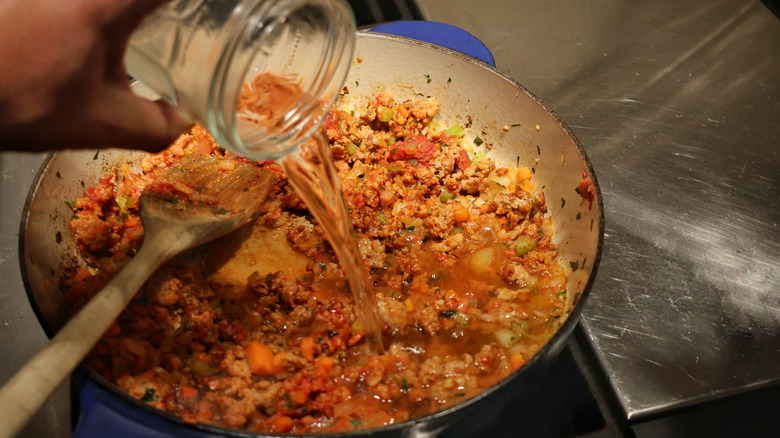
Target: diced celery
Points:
x,y
456,130
445,195
385,114
525,244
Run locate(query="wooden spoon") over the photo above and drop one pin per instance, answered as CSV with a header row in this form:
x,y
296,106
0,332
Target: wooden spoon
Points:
x,y
195,201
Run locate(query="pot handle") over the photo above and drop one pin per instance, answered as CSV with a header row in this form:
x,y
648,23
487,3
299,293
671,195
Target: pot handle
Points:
x,y
441,34
105,414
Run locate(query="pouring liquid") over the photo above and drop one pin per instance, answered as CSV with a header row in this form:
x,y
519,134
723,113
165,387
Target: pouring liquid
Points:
x,y
313,175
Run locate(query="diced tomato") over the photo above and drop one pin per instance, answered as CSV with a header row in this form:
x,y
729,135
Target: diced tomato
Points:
x,y
425,148
417,147
397,151
463,161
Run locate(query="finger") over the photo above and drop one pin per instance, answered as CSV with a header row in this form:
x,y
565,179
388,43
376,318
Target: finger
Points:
x,y
121,15
135,123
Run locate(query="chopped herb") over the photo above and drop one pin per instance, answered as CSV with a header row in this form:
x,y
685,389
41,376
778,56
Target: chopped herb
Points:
x,y
428,77
357,83
457,229
381,217
449,80
393,294
125,215
579,216
517,124
149,395
70,204
331,333
563,202
410,228
320,340
447,313
246,189
221,210
518,161
355,422
562,293
352,113
538,150
404,384
574,265
478,141
172,200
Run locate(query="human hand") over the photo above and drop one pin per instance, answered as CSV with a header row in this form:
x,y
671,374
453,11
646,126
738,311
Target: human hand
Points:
x,y
64,84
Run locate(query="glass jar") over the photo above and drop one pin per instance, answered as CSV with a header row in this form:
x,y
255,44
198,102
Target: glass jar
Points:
x,y
258,74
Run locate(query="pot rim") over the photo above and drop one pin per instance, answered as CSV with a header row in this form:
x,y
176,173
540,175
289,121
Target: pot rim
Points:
x,y
552,346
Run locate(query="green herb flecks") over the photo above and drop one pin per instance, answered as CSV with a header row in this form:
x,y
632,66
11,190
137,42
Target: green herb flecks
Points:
x,y
150,395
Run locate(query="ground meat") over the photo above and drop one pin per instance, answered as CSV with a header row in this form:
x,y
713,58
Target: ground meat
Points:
x,y
284,352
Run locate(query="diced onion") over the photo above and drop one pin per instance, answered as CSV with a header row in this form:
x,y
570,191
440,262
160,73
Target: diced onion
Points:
x,y
410,222
500,180
461,318
398,207
505,337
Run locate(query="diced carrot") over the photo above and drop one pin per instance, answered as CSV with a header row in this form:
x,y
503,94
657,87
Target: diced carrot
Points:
x,y
260,358
299,397
307,348
188,392
277,365
203,415
516,360
282,424
526,185
409,305
325,363
461,214
524,173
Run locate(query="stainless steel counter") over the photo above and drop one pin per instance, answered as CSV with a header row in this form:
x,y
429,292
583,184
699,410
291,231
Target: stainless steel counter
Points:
x,y
677,104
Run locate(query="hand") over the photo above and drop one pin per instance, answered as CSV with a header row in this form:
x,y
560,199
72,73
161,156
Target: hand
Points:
x,y
63,82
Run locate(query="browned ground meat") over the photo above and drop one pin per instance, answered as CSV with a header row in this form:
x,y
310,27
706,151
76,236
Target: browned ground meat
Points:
x,y
267,338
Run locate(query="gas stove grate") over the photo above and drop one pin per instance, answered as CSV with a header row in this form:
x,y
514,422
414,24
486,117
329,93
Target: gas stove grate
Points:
x,y
371,12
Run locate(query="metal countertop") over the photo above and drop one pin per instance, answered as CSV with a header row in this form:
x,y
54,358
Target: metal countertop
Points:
x,y
677,103
678,106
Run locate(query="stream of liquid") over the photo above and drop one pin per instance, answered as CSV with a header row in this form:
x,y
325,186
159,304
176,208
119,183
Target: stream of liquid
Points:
x,y
313,175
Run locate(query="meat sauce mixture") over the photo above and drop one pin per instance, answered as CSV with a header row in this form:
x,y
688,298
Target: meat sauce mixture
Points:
x,y
266,337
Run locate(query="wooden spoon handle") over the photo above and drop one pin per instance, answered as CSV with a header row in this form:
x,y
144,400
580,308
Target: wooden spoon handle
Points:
x,y
32,385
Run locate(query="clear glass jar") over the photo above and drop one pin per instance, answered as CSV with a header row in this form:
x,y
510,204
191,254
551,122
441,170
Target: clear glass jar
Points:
x,y
200,55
